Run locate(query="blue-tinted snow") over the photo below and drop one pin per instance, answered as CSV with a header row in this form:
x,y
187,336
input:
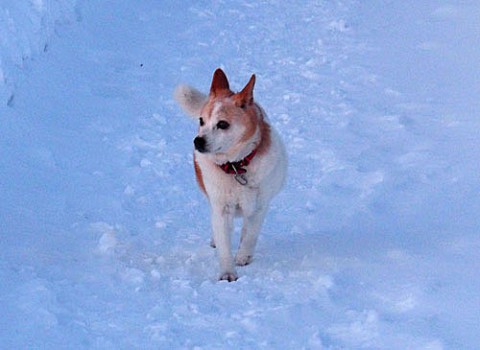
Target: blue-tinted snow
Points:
x,y
373,244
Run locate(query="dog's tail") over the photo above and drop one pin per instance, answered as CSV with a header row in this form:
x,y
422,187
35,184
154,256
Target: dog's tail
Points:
x,y
190,99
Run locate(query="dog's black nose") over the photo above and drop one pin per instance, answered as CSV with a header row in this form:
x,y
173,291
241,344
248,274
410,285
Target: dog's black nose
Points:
x,y
200,144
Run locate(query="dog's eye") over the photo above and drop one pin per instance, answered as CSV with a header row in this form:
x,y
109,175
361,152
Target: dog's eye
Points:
x,y
202,123
222,124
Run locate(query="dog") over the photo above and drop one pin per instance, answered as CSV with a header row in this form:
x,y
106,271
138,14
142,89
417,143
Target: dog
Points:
x,y
240,164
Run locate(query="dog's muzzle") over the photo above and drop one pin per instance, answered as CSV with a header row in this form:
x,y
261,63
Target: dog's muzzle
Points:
x,y
200,144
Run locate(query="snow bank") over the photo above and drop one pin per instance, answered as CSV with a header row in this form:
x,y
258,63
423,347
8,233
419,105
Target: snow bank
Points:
x,y
26,27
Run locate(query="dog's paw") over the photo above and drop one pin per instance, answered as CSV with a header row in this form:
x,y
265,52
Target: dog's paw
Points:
x,y
243,260
228,276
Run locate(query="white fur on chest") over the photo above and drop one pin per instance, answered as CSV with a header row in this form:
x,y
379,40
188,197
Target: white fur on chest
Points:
x,y
265,175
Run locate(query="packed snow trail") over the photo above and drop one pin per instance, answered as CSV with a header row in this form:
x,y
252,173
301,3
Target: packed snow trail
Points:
x,y
372,244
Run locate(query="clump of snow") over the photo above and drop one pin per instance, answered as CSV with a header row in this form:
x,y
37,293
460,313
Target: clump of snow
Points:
x,y
108,240
361,331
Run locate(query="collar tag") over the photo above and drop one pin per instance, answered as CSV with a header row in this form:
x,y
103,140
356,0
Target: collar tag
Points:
x,y
238,168
241,178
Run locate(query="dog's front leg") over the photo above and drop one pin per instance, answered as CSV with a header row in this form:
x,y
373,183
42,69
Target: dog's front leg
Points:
x,y
222,225
252,224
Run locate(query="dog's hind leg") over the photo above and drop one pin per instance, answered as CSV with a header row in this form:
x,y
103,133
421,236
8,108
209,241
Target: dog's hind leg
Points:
x,y
252,225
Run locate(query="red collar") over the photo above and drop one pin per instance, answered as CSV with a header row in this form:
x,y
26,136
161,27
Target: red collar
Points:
x,y
238,167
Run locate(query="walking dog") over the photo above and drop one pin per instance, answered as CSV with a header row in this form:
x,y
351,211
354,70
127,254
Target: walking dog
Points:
x,y
240,164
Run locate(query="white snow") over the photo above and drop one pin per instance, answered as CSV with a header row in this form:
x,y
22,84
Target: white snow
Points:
x,y
26,27
104,237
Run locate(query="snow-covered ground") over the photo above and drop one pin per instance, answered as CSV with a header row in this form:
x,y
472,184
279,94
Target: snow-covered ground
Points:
x,y
374,242
26,27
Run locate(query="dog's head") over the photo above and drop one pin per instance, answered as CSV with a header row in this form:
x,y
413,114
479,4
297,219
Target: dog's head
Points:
x,y
228,121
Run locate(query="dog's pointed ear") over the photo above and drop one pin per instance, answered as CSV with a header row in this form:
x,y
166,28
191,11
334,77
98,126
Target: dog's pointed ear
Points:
x,y
219,83
245,97
190,99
